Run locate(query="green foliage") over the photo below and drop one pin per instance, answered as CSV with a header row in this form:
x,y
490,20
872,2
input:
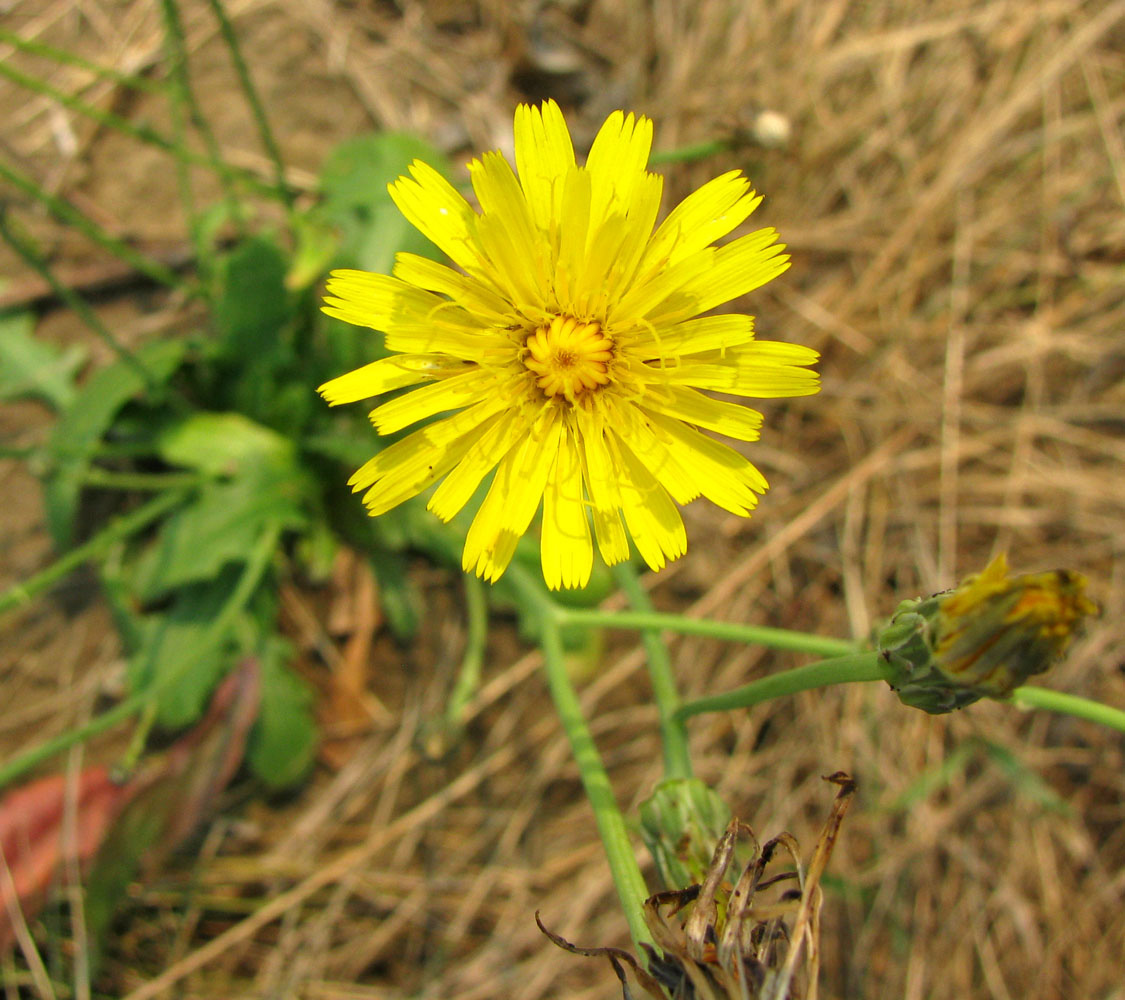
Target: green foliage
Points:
x,y
228,413
88,417
284,739
183,652
223,419
31,369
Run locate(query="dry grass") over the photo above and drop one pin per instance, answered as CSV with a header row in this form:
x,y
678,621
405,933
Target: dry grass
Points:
x,y
953,197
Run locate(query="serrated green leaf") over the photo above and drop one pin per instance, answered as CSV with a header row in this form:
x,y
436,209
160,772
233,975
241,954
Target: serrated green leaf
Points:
x,y
220,527
171,642
84,421
34,369
354,183
223,444
284,739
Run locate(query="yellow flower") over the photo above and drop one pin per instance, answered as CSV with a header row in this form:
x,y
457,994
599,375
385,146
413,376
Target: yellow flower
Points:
x,y
570,342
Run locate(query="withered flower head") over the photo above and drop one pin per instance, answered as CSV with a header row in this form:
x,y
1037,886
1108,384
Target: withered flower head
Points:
x,y
718,941
984,638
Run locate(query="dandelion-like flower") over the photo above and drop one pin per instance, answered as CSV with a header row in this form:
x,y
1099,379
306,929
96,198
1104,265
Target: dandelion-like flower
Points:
x,y
570,342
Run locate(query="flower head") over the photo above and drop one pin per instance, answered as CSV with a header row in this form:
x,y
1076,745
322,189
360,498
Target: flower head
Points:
x,y
570,342
985,637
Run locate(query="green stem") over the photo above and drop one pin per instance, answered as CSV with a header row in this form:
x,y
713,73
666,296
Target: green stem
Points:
x,y
611,826
689,154
184,101
824,673
25,248
251,576
1069,704
37,48
140,132
107,479
67,214
468,679
257,109
116,531
761,635
673,732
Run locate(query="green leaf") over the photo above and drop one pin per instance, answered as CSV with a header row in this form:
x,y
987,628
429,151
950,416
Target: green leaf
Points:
x,y
354,182
253,304
399,599
220,527
284,739
171,642
33,369
223,444
87,418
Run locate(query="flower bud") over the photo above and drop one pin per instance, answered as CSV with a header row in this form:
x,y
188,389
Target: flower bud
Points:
x,y
681,824
984,638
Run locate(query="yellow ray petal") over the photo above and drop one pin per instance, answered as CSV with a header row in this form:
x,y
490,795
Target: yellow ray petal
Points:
x,y
544,157
437,210
386,374
732,419
733,270
438,435
515,247
494,440
722,475
638,430
601,486
566,552
616,163
449,394
704,216
475,297
693,336
571,256
512,499
654,522
763,368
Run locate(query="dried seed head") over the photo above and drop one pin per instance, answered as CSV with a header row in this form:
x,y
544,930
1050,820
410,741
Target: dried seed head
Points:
x,y
755,939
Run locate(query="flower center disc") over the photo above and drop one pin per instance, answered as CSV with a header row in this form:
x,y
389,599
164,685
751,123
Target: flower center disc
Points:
x,y
569,357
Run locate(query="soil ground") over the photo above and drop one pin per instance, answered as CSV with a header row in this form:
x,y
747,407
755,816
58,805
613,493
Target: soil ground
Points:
x,y
952,193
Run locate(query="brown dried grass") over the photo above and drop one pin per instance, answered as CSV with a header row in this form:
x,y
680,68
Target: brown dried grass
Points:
x,y
952,196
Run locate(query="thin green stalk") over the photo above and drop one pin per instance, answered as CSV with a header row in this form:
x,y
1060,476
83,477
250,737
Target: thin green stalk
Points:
x,y
673,732
626,875
256,107
468,679
184,105
67,214
140,132
26,454
179,98
867,666
248,582
23,246
117,530
689,154
1069,704
142,482
37,48
761,635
